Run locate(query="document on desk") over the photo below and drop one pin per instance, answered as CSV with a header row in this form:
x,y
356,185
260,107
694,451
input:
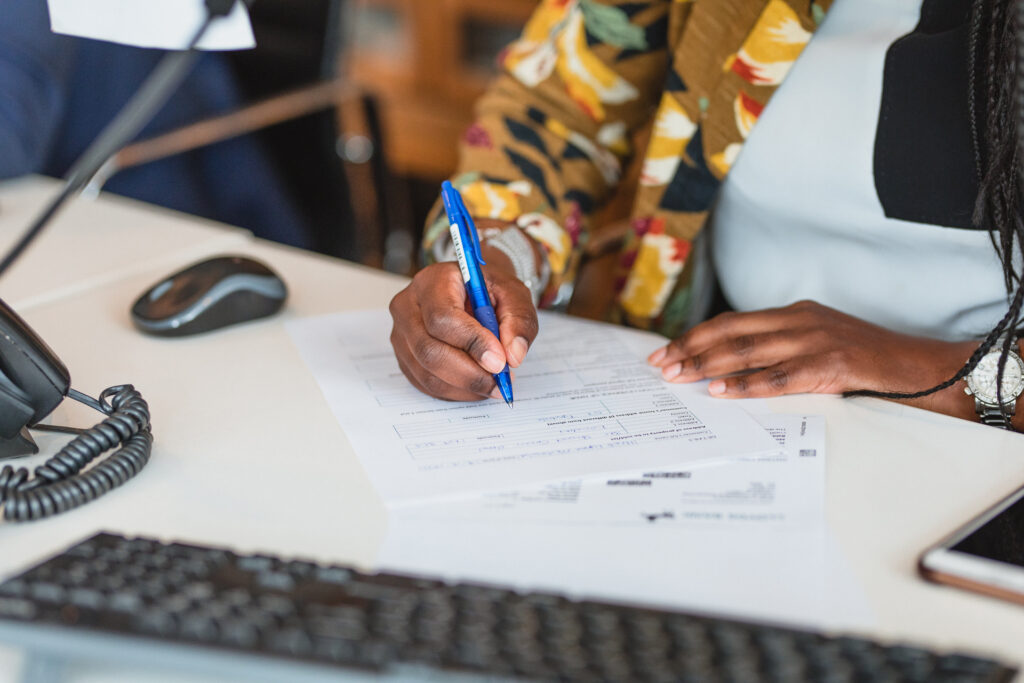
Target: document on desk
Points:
x,y
747,538
586,403
778,491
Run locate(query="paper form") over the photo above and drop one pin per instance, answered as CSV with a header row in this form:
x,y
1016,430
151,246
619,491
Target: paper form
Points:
x,y
783,490
586,403
744,539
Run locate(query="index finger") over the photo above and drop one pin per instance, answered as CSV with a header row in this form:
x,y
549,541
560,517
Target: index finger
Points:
x,y
719,329
445,319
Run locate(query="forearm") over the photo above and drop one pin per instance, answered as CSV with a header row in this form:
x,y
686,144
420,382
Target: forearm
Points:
x,y
939,361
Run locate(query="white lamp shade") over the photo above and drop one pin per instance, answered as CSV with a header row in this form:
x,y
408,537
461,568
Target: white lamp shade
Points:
x,y
164,24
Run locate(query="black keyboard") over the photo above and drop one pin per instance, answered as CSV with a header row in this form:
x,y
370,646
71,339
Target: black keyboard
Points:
x,y
295,613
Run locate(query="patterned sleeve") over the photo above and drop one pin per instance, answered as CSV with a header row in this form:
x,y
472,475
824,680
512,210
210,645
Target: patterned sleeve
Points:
x,y
553,131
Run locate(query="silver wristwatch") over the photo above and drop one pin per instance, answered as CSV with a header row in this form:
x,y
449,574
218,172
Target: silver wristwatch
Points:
x,y
981,383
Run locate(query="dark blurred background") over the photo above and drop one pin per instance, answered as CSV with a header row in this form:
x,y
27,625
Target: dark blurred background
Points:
x,y
366,171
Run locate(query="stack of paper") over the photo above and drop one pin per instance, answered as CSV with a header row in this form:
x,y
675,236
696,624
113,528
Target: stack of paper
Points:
x,y
603,481
586,403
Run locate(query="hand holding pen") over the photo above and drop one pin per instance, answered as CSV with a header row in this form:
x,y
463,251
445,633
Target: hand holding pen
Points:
x,y
441,348
467,254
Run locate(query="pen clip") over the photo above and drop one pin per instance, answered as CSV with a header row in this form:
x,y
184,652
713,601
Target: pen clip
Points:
x,y
457,214
471,229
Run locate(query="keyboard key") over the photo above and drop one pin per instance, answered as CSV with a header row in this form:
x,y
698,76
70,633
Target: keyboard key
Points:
x,y
86,598
293,641
275,581
198,627
46,592
256,563
157,622
239,633
17,608
336,575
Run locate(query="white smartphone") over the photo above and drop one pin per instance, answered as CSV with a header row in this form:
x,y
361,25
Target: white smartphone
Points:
x,y
986,554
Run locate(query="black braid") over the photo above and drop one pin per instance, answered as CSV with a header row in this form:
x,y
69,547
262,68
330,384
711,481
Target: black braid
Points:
x,y
973,87
993,108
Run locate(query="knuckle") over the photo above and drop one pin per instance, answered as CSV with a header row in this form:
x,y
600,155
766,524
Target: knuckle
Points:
x,y
741,384
420,279
426,277
529,325
743,345
434,385
515,286
820,338
396,303
482,384
809,311
696,362
726,318
439,326
477,346
778,379
429,352
679,343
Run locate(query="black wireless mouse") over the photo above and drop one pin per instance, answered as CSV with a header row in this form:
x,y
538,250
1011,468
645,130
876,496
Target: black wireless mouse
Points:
x,y
209,295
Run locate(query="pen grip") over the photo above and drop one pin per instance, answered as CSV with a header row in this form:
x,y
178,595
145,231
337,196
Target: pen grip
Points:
x,y
485,316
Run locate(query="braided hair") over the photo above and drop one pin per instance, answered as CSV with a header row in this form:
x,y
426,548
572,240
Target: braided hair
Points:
x,y
994,103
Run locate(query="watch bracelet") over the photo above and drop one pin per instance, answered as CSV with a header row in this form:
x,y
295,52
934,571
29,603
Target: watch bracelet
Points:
x,y
1000,415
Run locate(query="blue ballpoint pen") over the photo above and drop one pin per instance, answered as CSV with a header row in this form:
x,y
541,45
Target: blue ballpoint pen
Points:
x,y
467,250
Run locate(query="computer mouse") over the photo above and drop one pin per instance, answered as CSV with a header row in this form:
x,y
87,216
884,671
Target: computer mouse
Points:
x,y
209,295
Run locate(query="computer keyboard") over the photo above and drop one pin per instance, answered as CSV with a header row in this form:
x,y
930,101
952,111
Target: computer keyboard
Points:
x,y
138,592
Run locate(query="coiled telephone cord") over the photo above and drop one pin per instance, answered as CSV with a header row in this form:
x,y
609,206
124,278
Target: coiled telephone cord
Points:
x,y
59,484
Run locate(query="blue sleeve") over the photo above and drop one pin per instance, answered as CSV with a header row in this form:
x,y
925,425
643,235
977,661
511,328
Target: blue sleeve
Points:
x,y
35,64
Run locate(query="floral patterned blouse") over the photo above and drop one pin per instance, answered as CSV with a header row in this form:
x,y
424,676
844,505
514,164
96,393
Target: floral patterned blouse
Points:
x,y
554,132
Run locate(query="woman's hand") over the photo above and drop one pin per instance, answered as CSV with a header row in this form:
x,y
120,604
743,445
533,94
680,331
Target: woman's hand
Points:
x,y
810,348
440,346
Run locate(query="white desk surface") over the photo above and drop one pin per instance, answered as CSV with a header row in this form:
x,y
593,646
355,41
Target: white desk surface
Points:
x,y
248,455
91,242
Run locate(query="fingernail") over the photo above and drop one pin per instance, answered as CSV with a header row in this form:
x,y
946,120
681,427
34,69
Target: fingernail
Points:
x,y
716,388
517,351
492,362
658,356
672,371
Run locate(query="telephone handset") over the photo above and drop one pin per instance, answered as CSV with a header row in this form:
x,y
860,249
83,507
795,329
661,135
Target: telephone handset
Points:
x,y
33,382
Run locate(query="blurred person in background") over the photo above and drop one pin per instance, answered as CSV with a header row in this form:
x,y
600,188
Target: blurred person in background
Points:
x,y
58,92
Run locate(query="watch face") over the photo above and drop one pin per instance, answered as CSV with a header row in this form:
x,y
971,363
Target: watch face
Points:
x,y
982,380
